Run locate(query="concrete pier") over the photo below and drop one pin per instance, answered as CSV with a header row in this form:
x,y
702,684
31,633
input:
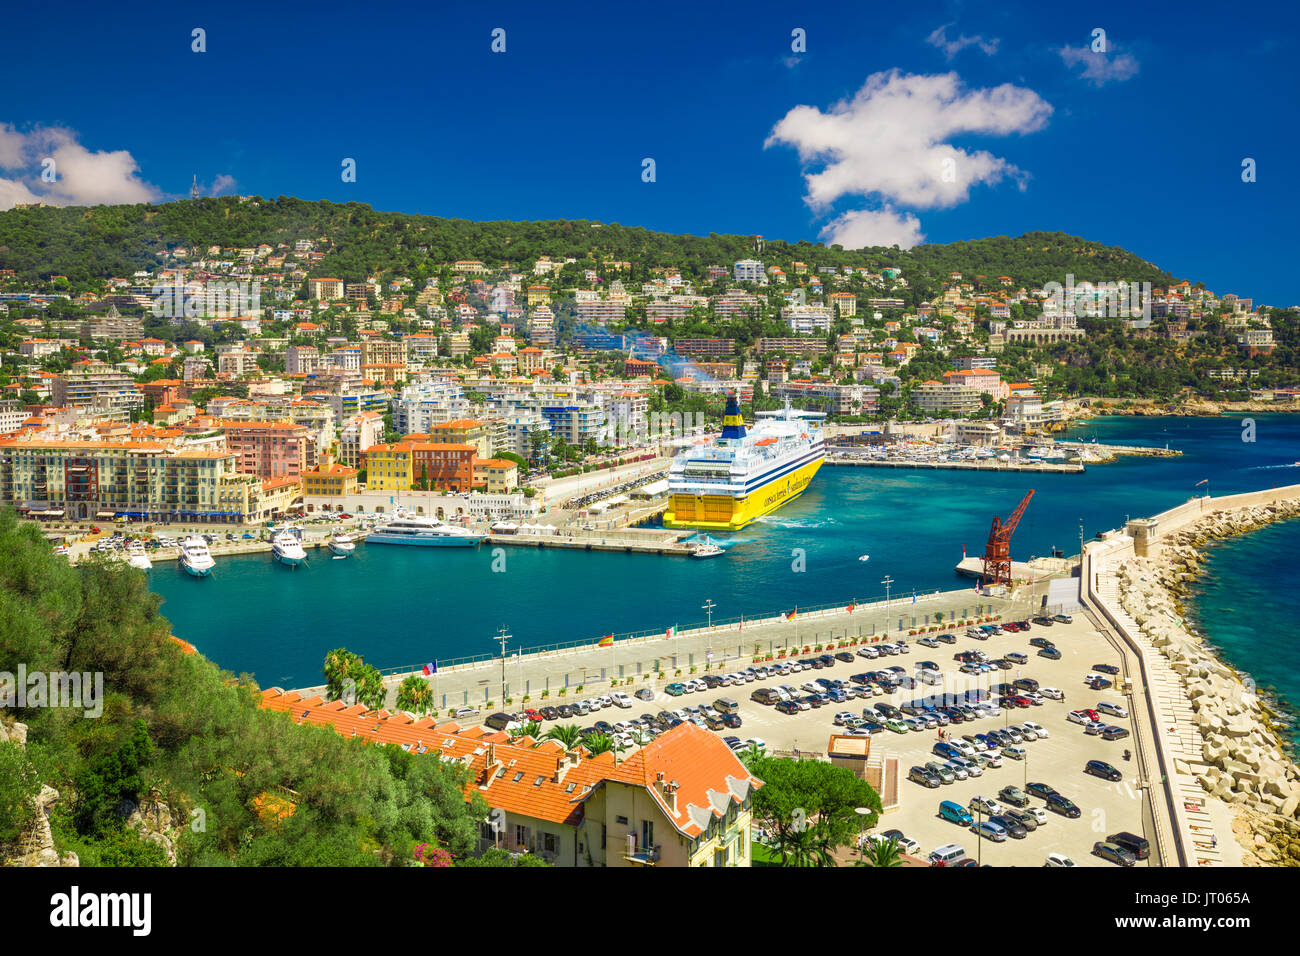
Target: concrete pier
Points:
x,y
551,675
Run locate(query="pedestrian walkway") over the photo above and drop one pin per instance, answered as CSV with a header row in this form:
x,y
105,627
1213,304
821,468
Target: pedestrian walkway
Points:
x,y
1203,825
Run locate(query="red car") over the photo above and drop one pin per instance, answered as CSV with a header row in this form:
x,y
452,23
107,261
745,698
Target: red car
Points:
x,y
532,714
1019,701
1091,714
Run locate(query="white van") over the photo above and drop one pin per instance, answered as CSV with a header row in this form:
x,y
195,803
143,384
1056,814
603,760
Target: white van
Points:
x,y
947,855
620,699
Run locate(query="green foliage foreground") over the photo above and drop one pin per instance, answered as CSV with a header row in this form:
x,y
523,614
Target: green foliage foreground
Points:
x,y
175,728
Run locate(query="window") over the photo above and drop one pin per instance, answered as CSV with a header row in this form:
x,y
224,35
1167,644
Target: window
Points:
x,y
622,820
548,842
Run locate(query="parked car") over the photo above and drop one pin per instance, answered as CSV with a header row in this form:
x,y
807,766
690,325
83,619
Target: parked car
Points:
x,y
1099,768
941,771
645,693
1058,859
1037,729
1113,709
787,707
1106,669
1014,796
1131,843
1015,829
1052,693
1024,818
1051,653
1040,642
924,777
984,805
675,689
989,831
1063,806
1116,854
1016,657
1114,733
1062,618
1039,790
955,813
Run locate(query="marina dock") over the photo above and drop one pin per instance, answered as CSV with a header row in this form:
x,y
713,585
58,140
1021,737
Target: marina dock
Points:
x,y
1040,467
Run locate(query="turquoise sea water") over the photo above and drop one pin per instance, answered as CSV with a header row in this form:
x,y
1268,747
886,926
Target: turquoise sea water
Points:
x,y
400,606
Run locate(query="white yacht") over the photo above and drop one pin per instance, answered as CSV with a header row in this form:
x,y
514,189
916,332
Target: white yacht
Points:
x,y
196,559
286,547
707,548
405,528
136,557
341,543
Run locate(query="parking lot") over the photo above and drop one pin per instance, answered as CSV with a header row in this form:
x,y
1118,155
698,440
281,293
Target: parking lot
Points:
x,y
1057,760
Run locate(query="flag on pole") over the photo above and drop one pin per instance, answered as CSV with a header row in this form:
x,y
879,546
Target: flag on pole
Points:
x,y
430,668
671,632
913,597
606,641
1203,481
790,616
851,607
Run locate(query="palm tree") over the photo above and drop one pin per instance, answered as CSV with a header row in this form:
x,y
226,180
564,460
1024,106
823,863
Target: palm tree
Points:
x,y
531,729
568,734
415,695
749,756
881,853
599,743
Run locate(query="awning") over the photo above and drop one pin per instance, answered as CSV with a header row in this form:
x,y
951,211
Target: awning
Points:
x,y
47,514
105,514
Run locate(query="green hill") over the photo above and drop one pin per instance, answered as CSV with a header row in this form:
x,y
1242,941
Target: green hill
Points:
x,y
90,244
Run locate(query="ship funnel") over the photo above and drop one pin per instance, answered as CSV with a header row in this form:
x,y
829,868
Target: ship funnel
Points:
x,y
733,426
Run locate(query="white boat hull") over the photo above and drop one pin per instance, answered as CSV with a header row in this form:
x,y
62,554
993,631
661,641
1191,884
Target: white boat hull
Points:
x,y
428,541
196,572
292,560
342,549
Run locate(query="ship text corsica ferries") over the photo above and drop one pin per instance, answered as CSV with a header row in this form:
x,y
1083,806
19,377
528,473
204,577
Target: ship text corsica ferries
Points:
x,y
744,474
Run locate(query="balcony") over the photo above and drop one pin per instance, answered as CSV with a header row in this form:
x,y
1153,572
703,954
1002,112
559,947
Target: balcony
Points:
x,y
643,855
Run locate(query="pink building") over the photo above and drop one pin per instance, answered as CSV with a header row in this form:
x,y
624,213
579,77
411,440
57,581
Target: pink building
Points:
x,y
271,449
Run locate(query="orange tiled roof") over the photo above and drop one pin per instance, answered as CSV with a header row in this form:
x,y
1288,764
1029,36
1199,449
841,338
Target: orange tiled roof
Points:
x,y
539,779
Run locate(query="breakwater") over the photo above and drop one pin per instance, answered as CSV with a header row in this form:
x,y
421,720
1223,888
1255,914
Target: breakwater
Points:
x,y
1244,761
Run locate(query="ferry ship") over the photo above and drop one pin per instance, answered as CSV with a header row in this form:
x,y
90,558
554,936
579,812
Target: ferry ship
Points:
x,y
744,474
195,557
421,530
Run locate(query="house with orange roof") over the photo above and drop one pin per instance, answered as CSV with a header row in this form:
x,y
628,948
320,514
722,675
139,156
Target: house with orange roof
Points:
x,y
682,800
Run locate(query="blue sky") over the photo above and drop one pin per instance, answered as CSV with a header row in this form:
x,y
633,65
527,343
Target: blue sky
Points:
x,y
1139,146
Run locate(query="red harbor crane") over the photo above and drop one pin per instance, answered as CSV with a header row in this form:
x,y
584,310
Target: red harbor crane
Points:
x,y
997,553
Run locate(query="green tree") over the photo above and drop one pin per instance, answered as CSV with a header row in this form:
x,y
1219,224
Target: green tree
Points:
x,y
881,853
809,807
414,695
568,734
19,786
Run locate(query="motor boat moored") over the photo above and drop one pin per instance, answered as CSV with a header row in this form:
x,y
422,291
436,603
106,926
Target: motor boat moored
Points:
x,y
286,547
195,557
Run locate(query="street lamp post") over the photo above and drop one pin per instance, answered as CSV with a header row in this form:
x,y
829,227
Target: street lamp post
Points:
x,y
502,637
708,607
888,580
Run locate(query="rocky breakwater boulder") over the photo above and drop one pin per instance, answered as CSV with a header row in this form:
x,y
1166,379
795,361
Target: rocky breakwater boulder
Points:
x,y
1247,762
155,821
35,846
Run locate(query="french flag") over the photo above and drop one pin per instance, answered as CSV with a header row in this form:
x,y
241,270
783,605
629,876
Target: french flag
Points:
x,y
430,668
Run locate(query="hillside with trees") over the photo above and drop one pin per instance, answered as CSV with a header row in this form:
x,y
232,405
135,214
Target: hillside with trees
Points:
x,y
89,244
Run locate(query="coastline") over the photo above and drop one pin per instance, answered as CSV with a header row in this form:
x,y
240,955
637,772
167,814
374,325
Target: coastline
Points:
x,y
1248,763
1080,409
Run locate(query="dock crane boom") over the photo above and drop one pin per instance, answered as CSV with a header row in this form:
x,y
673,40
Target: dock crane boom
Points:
x,y
997,553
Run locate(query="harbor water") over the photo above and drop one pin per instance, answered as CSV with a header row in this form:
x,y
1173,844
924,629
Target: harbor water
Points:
x,y
400,606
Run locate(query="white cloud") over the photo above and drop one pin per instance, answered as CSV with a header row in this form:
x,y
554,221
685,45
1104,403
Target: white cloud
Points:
x,y
939,38
84,177
1100,68
222,184
889,142
873,227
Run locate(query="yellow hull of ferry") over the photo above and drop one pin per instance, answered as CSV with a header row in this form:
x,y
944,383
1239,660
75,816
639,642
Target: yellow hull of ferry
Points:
x,y
725,513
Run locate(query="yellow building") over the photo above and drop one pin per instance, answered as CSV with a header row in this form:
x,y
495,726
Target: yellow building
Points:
x,y
329,481
390,467
496,475
684,799
464,431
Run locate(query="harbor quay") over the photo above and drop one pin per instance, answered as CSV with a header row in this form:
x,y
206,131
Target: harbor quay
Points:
x,y
653,659
1040,467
